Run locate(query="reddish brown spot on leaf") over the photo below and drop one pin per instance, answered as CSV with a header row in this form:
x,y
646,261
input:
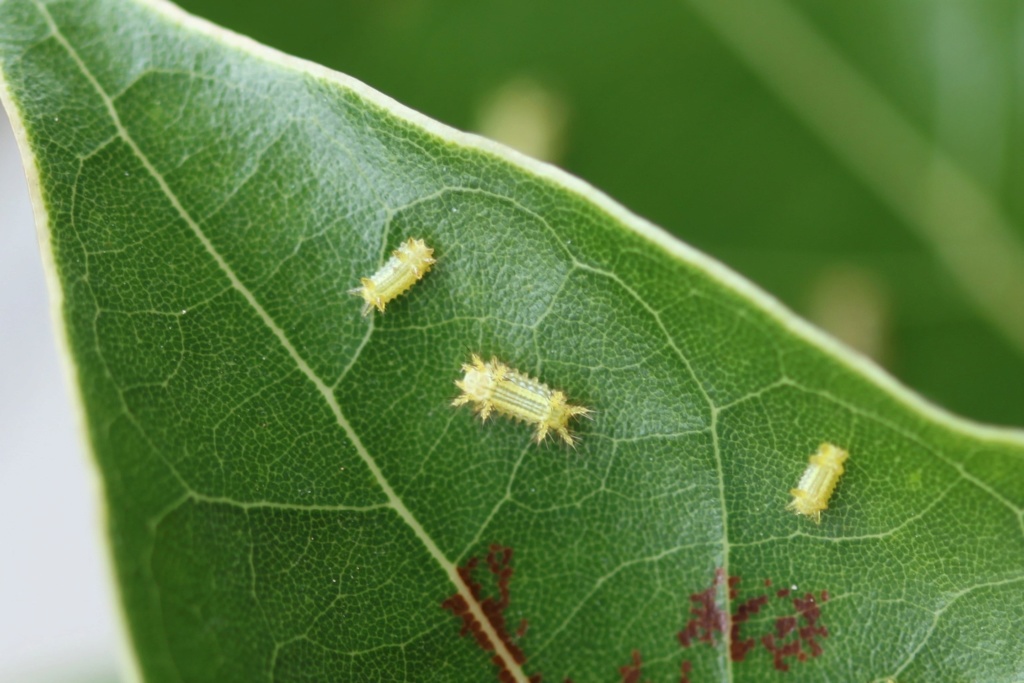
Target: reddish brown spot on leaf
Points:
x,y
631,672
521,630
780,651
811,613
684,671
805,624
733,582
784,626
499,568
795,636
738,647
708,618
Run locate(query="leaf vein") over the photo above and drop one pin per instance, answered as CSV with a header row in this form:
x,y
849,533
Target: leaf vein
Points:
x,y
395,502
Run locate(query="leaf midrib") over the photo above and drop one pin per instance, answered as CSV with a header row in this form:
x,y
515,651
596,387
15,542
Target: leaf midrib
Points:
x,y
394,501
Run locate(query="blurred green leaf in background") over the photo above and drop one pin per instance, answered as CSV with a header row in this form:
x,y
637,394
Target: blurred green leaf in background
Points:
x,y
761,133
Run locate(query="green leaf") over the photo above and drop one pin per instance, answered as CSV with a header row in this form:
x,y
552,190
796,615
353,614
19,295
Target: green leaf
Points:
x,y
881,186
290,494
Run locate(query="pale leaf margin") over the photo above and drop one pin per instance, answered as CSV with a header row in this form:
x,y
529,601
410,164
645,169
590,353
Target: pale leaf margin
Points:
x,y
718,272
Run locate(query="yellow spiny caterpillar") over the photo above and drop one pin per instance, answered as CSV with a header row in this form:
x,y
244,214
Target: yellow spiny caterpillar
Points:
x,y
824,468
407,264
495,387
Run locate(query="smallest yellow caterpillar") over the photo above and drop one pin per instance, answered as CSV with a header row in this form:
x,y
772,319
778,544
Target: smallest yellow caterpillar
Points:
x,y
824,468
495,387
407,265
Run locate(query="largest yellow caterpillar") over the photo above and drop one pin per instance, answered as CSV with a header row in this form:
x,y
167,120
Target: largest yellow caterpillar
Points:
x,y
494,387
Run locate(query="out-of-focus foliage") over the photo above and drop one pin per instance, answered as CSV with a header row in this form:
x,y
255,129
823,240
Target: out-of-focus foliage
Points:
x,y
657,107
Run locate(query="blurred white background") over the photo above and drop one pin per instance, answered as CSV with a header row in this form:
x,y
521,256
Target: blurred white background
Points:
x,y
57,610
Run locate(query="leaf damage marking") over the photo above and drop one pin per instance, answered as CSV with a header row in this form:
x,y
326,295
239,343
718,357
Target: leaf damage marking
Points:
x,y
522,628
738,646
805,643
708,617
794,635
498,563
630,673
